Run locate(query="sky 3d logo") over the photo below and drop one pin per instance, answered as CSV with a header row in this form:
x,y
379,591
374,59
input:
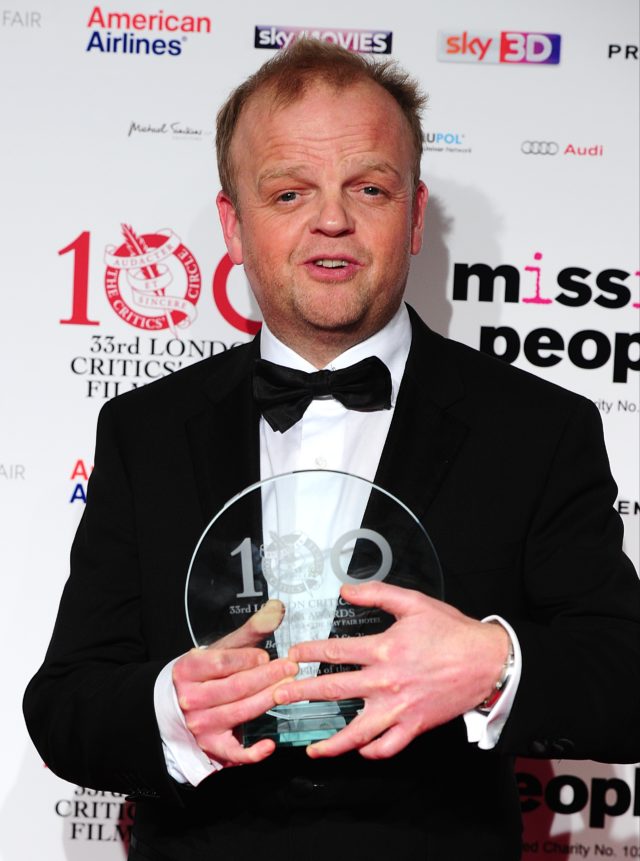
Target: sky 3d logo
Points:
x,y
507,46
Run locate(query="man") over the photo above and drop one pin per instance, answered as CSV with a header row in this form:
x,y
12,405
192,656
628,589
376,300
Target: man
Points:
x,y
319,157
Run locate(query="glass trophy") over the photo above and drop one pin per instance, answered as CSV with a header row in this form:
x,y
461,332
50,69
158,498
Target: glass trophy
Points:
x,y
297,538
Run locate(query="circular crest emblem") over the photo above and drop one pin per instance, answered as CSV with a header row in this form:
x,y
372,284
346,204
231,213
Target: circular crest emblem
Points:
x,y
292,563
152,280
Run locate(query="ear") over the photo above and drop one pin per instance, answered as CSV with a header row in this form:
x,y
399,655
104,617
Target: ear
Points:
x,y
231,228
417,216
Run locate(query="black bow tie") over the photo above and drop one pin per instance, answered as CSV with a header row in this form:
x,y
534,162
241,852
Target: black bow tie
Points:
x,y
283,394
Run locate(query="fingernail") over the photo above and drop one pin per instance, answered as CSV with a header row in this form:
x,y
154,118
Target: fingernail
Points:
x,y
313,751
268,616
290,668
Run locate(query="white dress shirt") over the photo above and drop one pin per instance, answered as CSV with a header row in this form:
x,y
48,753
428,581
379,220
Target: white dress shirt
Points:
x,y
329,436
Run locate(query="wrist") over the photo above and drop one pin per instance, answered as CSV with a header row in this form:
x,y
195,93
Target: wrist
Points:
x,y
485,707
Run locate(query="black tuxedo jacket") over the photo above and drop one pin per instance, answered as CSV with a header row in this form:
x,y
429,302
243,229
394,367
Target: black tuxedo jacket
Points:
x,y
510,477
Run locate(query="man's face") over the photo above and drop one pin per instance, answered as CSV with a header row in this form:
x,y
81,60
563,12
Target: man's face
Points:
x,y
326,215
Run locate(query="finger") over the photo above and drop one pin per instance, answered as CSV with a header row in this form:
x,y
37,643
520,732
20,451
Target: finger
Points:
x,y
207,724
200,665
339,650
328,687
237,686
394,599
395,739
229,751
359,733
255,629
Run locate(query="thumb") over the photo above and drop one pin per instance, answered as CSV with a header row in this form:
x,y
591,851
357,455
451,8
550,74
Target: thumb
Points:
x,y
255,629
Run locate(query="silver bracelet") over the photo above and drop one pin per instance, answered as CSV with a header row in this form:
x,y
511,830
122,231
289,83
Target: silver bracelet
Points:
x,y
507,670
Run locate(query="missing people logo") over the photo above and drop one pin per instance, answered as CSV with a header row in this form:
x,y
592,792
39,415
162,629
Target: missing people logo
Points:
x,y
152,280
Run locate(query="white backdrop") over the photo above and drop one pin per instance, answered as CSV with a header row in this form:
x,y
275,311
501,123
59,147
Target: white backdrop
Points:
x,y
532,165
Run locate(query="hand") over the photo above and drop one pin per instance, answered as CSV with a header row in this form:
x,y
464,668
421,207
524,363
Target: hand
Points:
x,y
431,665
230,682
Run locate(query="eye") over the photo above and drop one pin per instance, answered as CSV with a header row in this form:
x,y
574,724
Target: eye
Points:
x,y
287,196
372,190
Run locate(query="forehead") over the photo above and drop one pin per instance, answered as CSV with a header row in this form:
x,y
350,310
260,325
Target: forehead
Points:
x,y
357,121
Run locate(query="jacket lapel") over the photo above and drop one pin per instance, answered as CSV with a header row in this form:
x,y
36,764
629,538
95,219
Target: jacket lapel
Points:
x,y
223,437
423,441
424,437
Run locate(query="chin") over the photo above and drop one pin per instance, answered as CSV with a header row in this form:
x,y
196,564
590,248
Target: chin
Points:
x,y
333,312
336,323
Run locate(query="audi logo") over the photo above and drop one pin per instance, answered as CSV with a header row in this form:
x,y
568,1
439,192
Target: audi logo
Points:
x,y
539,147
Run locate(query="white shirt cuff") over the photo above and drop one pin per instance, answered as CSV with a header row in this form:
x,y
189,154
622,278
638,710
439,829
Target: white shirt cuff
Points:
x,y
485,729
186,761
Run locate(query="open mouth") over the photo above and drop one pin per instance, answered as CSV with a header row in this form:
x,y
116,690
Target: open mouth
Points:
x,y
329,263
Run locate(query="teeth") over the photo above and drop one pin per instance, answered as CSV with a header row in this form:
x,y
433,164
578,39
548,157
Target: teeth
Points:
x,y
331,264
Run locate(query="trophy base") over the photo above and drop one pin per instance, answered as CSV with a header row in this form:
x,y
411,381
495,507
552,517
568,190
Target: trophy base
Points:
x,y
301,724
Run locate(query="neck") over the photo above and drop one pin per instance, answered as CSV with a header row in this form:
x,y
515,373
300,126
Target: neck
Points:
x,y
319,354
321,346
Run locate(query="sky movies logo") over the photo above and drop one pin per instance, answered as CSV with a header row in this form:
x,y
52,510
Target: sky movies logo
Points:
x,y
275,36
508,46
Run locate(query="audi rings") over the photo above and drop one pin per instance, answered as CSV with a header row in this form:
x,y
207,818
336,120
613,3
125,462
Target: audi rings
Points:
x,y
539,147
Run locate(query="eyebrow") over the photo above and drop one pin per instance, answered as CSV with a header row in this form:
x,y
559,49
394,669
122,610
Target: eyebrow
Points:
x,y
296,170
381,167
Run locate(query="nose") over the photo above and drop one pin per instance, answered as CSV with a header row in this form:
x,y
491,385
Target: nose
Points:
x,y
332,217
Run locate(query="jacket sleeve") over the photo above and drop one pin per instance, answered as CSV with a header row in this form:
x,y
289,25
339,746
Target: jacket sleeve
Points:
x,y
89,708
579,693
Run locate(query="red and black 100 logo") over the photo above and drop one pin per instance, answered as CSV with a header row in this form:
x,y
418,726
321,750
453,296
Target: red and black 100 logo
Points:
x,y
152,281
